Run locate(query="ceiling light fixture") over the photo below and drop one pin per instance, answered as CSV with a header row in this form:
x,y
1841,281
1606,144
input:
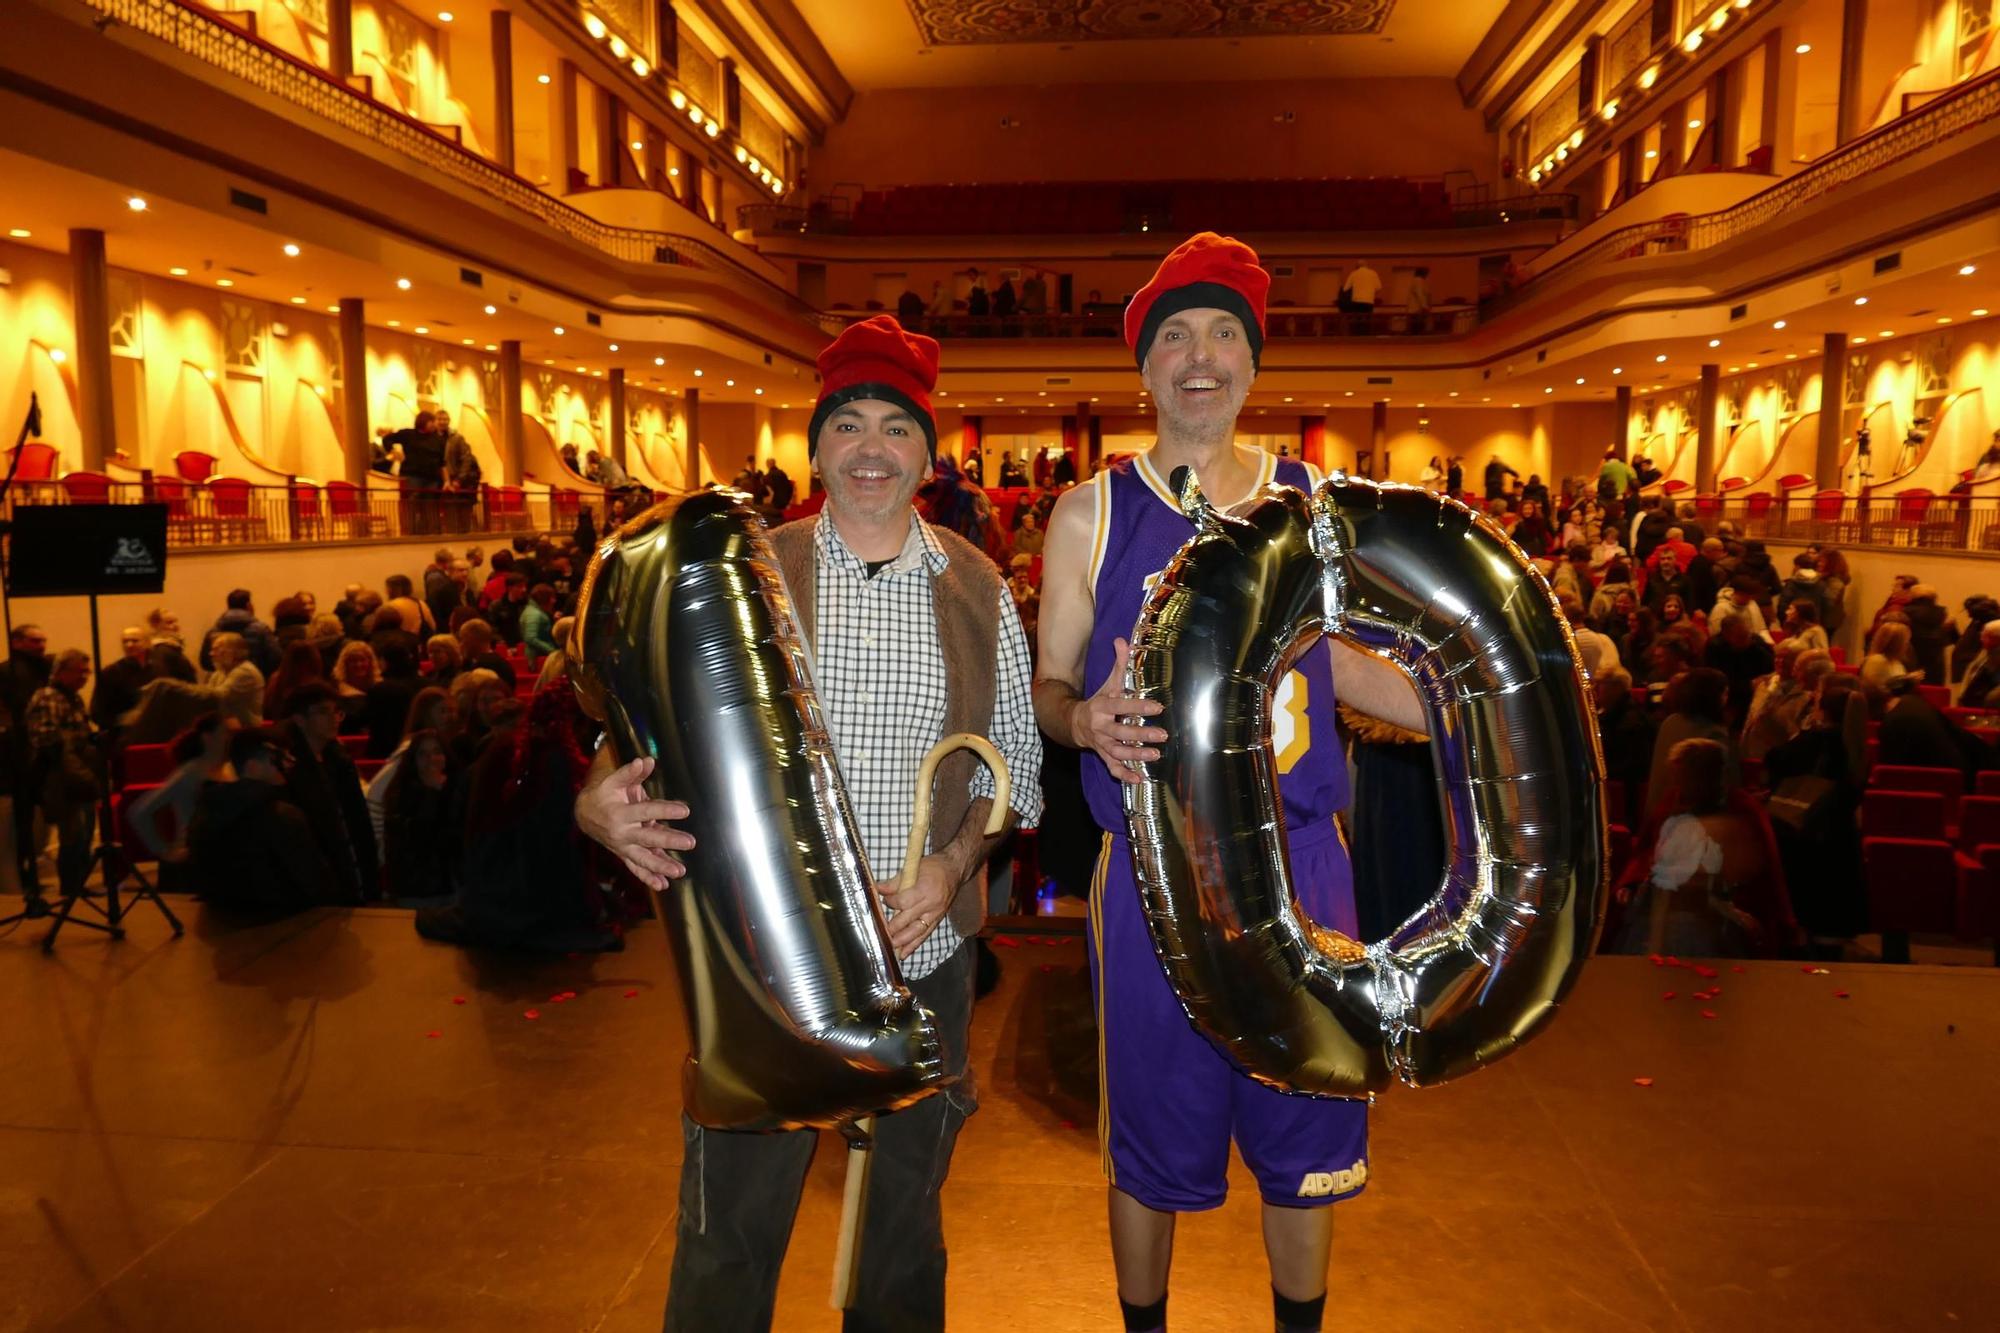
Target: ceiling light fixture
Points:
x,y
298,300
19,233
291,251
1802,49
58,355
422,329
1715,342
659,360
1861,300
493,310
402,284
542,79
136,204
640,67
1967,270
1777,323
445,16
225,282
1979,313
560,330
614,347
594,26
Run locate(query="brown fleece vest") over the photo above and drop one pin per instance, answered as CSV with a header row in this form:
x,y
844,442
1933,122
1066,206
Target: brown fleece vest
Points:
x,y
965,599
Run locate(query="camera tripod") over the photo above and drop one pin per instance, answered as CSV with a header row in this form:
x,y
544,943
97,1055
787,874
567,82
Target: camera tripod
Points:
x,y
109,858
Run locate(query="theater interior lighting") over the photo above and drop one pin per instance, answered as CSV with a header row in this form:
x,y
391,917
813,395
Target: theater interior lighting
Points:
x,y
618,48
402,284
1886,333
1861,300
1695,124
1967,270
1652,153
560,330
640,67
1802,49
679,99
1576,139
1862,338
19,233
742,153
422,328
298,300
1715,342
542,79
760,393
1616,370
659,360
1650,77
638,146
493,310
492,347
136,204
1715,23
1550,389
614,347
1692,43
446,16
225,282
594,26
291,251
1944,319
1777,323
711,129
466,341
697,374
1979,313
1609,110
1579,379
1660,358
58,355
333,310
673,171
1791,356
1735,370
729,384
395,323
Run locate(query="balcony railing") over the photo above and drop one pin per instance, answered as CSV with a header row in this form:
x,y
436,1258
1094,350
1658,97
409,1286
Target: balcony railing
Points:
x,y
1950,115
1916,519
1280,322
196,32
226,512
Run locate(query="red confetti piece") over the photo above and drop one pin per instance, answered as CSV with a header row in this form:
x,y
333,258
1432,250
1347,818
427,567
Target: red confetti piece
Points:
x,y
1840,995
1739,968
1702,971
1668,995
434,1033
1006,942
631,995
458,999
1658,960
532,1014
1708,1013
1673,961
1643,1082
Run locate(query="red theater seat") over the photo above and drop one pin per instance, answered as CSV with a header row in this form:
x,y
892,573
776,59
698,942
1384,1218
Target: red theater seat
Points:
x,y
1902,814
147,765
1912,885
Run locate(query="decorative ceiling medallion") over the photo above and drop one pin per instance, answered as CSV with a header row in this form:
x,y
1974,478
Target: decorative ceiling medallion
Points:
x,y
985,22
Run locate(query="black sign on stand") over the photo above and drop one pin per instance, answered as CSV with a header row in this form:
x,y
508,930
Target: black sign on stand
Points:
x,y
87,550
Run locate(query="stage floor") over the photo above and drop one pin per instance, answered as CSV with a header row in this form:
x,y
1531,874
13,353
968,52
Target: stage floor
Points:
x,y
295,1128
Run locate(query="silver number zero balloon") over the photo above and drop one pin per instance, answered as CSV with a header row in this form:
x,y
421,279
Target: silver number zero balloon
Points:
x,y
1424,582
688,650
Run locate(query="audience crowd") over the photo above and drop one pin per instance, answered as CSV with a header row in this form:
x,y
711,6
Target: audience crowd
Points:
x,y
394,746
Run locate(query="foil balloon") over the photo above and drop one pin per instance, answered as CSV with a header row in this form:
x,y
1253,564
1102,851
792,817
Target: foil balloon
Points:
x,y
687,649
1421,580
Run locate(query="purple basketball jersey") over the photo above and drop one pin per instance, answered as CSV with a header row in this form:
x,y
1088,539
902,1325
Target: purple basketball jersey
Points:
x,y
1139,528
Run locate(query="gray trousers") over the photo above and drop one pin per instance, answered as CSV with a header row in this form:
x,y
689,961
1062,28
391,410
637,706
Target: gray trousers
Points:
x,y
740,1193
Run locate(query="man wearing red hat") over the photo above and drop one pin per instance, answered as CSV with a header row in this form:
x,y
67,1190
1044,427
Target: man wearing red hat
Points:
x,y
913,637
1170,1101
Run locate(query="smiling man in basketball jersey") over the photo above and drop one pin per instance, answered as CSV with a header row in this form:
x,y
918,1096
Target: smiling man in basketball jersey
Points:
x,y
1170,1101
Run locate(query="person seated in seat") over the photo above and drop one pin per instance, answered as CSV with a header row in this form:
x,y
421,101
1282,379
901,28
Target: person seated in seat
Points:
x,y
1711,885
322,782
250,850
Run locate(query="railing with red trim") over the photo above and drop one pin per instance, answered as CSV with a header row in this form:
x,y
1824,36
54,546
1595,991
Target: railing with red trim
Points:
x,y
231,512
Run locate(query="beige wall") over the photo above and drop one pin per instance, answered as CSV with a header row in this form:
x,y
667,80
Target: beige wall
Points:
x,y
1153,132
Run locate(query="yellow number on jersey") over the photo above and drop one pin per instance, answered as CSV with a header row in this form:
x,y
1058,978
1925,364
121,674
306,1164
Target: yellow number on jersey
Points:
x,y
1291,732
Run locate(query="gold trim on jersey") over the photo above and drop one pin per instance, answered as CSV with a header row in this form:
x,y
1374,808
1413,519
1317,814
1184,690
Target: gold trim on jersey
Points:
x,y
1097,879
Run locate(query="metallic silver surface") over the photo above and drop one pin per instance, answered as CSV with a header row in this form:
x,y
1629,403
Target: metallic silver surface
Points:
x,y
689,652
1424,582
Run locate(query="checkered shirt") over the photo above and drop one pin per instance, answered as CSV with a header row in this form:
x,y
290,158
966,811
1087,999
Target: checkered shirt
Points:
x,y
881,680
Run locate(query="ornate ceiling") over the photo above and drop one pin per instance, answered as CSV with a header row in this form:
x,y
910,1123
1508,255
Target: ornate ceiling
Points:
x,y
983,22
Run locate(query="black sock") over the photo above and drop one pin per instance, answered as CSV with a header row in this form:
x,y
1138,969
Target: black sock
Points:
x,y
1144,1318
1298,1316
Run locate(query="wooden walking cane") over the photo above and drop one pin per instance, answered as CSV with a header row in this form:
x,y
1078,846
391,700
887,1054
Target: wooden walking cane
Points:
x,y
860,1134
